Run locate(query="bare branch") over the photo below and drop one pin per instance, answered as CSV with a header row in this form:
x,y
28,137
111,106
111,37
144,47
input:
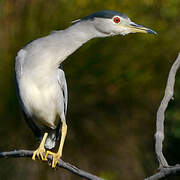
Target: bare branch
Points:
x,y
165,172
61,163
165,169
160,113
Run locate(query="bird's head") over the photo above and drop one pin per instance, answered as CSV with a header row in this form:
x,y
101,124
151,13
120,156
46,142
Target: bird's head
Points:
x,y
113,23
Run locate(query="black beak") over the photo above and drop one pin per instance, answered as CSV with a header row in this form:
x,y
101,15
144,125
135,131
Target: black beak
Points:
x,y
138,28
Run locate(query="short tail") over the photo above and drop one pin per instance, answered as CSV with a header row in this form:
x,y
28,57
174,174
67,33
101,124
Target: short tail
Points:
x,y
51,140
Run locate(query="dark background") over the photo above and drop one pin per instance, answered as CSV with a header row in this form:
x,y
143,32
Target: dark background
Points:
x,y
115,87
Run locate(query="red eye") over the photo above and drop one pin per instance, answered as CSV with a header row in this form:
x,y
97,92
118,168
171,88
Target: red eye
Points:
x,y
116,19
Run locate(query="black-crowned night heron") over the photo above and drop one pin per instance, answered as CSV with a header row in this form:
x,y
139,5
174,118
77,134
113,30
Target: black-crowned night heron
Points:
x,y
40,80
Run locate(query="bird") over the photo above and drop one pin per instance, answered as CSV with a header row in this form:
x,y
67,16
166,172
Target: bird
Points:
x,y
40,79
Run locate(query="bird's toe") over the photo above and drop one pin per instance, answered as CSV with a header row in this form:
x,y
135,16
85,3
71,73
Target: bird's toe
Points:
x,y
55,158
39,154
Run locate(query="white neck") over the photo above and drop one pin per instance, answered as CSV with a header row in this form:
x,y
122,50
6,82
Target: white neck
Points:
x,y
70,39
58,46
83,31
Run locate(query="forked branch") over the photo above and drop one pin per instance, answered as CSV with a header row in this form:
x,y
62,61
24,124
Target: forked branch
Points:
x,y
165,169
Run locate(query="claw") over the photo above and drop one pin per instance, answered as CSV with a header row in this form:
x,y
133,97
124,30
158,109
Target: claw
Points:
x,y
55,158
40,150
39,153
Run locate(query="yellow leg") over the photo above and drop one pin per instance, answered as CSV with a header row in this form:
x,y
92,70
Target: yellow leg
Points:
x,y
57,156
40,150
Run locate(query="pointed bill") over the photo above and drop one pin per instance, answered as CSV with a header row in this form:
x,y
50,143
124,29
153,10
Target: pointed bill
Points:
x,y
138,28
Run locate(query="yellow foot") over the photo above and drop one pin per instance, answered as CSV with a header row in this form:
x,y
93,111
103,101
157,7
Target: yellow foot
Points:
x,y
55,158
39,153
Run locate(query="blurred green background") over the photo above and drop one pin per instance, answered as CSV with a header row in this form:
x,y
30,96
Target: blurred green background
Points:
x,y
115,87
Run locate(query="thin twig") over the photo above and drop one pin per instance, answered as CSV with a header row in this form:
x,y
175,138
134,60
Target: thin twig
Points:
x,y
165,169
61,163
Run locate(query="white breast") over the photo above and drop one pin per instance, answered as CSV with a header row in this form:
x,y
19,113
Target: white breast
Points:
x,y
41,102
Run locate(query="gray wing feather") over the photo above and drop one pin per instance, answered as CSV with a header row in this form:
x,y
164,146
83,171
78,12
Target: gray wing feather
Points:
x,y
18,73
63,84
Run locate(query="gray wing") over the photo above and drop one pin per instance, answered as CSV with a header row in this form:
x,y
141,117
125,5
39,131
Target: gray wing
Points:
x,y
63,85
18,73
